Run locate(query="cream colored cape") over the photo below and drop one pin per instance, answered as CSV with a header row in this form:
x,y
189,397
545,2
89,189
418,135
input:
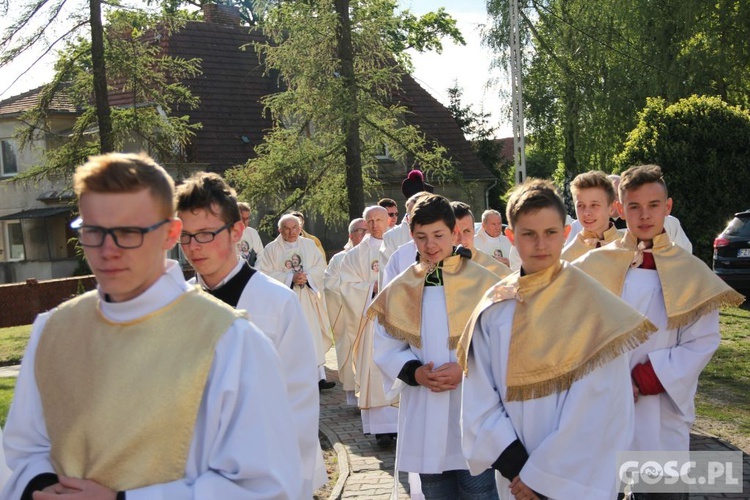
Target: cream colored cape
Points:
x,y
565,325
586,241
398,307
690,288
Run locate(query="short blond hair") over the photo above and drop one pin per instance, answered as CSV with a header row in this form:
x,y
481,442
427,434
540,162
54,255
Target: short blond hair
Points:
x,y
126,173
594,179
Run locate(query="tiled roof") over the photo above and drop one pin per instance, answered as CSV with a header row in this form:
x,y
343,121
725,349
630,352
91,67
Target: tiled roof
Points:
x,y
230,90
232,85
61,103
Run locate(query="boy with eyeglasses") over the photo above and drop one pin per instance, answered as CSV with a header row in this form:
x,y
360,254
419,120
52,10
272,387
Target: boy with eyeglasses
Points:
x,y
146,387
211,228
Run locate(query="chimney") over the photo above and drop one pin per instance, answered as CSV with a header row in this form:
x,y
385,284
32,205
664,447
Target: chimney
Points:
x,y
225,15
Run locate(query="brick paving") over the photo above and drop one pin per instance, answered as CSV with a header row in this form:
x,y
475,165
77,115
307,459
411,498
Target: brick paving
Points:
x,y
371,468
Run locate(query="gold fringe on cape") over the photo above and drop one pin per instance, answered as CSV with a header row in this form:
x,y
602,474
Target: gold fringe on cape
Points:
x,y
564,326
690,287
585,241
398,307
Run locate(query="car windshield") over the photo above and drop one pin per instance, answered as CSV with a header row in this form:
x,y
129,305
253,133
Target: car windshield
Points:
x,y
740,226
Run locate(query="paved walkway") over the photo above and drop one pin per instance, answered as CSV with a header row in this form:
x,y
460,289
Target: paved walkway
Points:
x,y
367,470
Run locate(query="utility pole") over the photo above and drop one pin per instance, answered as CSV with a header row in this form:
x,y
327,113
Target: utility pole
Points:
x,y
516,82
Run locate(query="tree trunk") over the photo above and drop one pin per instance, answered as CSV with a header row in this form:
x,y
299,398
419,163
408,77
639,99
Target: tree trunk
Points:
x,y
353,146
99,70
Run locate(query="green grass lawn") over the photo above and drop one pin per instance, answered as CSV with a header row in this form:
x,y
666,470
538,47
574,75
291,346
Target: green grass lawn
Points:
x,y
723,400
7,385
13,342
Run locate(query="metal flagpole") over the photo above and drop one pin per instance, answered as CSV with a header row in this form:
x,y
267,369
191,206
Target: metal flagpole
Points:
x,y
516,81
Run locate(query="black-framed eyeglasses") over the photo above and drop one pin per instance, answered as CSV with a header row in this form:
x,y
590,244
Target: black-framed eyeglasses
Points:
x,y
392,214
360,230
127,237
203,236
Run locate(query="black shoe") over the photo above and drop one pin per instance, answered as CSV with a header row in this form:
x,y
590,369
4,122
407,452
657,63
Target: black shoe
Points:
x,y
325,384
383,440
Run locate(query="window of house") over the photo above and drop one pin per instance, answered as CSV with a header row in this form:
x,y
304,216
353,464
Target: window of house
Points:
x,y
8,163
14,237
382,152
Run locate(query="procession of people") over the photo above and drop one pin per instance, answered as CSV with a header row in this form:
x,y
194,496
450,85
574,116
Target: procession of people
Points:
x,y
502,362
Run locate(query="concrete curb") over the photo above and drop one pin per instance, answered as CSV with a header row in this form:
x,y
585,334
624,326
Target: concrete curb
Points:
x,y
342,459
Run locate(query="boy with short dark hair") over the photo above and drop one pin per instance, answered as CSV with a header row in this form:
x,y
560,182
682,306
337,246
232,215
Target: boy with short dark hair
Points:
x,y
543,402
420,317
594,196
678,293
211,228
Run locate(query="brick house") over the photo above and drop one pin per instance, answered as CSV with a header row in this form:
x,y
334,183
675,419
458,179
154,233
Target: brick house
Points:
x,y
230,89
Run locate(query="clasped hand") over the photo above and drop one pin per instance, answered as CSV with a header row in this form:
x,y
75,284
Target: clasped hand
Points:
x,y
444,378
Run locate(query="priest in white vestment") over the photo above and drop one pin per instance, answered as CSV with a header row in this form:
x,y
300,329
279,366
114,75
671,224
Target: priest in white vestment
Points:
x,y
205,204
490,238
344,326
359,282
298,263
250,245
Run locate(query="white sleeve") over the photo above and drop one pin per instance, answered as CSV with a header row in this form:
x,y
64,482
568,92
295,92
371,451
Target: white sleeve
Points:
x,y
26,443
242,446
677,234
391,355
486,427
678,367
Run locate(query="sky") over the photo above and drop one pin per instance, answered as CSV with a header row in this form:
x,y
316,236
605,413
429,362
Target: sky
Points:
x,y
467,65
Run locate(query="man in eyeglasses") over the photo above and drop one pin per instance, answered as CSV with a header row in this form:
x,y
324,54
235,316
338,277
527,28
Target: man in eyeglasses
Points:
x,y
146,387
344,327
211,228
392,208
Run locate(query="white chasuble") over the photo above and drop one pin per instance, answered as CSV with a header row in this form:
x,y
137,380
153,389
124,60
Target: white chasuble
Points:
x,y
359,274
280,260
572,437
343,324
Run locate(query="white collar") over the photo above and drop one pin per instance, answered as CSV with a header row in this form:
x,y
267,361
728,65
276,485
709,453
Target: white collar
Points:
x,y
164,291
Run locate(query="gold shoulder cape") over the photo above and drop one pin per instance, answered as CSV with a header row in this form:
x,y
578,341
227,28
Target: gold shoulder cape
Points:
x,y
586,241
488,262
398,307
121,400
564,326
690,288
